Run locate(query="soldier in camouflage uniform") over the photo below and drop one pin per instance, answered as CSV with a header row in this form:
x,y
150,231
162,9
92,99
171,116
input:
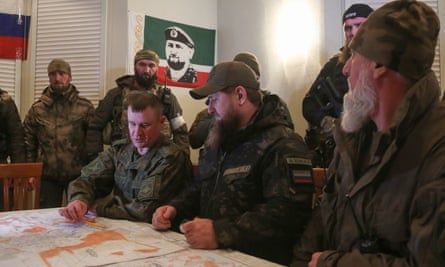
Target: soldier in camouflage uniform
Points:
x,y
112,108
384,202
130,180
11,130
55,131
323,102
255,187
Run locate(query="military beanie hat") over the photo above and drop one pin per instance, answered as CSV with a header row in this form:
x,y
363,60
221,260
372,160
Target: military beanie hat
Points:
x,y
146,54
402,36
250,59
59,65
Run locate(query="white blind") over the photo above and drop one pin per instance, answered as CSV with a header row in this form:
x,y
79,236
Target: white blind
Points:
x,y
434,4
7,76
71,30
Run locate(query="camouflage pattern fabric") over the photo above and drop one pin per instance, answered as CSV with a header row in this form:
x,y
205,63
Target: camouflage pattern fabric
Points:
x,y
111,109
389,210
55,130
125,185
257,188
402,36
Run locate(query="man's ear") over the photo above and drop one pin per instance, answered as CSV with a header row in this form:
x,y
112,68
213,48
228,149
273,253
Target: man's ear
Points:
x,y
241,94
379,70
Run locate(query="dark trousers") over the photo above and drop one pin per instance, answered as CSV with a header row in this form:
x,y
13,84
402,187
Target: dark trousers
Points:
x,y
52,193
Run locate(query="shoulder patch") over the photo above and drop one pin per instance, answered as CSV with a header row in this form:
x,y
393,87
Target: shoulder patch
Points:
x,y
299,161
240,169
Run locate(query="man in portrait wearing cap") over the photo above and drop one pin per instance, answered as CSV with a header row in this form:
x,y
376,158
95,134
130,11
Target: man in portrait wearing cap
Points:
x,y
384,202
255,189
111,113
179,50
55,133
323,102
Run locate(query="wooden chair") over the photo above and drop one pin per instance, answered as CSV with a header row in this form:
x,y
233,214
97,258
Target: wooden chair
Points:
x,y
319,175
15,176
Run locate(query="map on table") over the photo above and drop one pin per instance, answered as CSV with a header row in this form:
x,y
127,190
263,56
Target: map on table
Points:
x,y
46,239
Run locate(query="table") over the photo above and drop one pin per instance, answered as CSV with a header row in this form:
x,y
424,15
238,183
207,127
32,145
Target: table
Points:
x,y
44,238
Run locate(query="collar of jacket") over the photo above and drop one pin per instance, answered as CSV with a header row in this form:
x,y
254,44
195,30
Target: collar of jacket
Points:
x,y
48,96
128,81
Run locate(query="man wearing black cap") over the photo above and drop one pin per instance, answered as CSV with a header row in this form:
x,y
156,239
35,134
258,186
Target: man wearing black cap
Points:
x,y
324,101
255,189
384,202
179,50
111,113
55,133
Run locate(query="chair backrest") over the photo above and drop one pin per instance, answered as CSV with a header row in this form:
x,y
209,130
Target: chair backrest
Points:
x,y
319,175
15,177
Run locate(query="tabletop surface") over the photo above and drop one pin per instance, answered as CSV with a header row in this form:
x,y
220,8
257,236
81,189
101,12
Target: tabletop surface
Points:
x,y
44,238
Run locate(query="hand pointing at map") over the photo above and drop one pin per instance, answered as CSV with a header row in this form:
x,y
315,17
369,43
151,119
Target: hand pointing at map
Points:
x,y
74,211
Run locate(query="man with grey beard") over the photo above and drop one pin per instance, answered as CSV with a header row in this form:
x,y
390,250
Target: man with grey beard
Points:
x,y
384,202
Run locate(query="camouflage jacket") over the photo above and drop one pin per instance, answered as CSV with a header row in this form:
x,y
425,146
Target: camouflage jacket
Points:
x,y
111,110
55,130
257,188
384,203
11,130
319,100
125,185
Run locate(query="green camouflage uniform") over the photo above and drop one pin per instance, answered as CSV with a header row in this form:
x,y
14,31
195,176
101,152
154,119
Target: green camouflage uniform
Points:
x,y
384,202
55,131
11,130
111,110
125,185
257,188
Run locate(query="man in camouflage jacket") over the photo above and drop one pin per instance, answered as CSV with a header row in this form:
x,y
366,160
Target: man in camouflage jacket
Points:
x,y
384,202
255,187
11,130
55,131
111,108
130,180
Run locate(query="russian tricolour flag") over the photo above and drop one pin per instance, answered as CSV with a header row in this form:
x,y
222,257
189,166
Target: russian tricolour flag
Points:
x,y
147,32
14,30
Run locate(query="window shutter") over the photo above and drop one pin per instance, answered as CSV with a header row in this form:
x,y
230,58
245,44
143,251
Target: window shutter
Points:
x,y
8,76
71,30
434,4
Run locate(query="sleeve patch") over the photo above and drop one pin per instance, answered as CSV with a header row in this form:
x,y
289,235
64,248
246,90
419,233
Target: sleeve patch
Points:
x,y
240,169
299,161
302,176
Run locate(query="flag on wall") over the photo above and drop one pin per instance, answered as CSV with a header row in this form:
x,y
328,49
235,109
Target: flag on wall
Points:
x,y
187,52
14,30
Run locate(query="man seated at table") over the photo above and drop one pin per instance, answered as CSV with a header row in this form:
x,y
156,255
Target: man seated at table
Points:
x,y
130,180
255,190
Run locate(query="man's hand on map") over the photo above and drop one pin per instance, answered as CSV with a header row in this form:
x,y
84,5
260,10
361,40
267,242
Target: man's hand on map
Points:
x,y
74,211
199,233
162,217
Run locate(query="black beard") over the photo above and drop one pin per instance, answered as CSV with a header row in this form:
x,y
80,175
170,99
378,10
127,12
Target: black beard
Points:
x,y
176,65
223,130
145,82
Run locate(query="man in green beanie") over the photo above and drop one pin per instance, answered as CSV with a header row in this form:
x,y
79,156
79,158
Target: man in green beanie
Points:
x,y
384,202
55,133
112,112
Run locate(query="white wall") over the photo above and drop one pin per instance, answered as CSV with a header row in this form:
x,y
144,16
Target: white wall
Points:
x,y
251,25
